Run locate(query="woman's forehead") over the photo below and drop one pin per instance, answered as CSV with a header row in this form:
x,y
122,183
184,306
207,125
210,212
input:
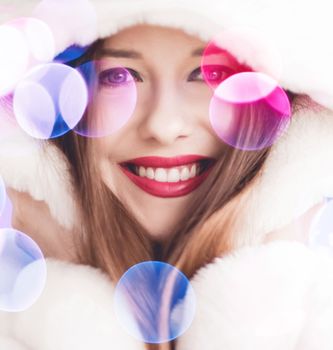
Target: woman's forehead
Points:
x,y
144,39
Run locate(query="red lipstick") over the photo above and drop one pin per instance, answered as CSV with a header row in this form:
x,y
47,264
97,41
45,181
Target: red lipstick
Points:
x,y
167,189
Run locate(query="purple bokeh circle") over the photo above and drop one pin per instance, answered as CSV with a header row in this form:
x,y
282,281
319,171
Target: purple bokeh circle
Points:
x,y
154,302
23,271
112,99
50,100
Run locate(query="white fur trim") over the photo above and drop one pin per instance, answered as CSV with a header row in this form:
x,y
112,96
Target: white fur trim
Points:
x,y
297,175
261,298
277,296
75,311
29,166
11,344
299,32
317,332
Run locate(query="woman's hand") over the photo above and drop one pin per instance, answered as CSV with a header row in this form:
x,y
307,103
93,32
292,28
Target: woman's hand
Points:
x,y
298,230
33,218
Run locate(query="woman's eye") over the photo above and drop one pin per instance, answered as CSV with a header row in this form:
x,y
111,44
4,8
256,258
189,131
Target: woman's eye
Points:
x,y
214,74
196,75
115,77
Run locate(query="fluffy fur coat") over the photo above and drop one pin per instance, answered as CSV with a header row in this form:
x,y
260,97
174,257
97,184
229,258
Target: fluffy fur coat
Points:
x,y
274,296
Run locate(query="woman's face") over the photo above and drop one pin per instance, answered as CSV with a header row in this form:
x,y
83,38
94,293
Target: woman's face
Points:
x,y
162,155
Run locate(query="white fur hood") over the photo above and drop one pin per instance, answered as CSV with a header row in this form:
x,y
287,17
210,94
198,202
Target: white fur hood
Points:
x,y
276,296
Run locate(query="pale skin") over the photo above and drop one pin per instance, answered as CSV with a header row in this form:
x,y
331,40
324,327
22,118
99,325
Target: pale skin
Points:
x,y
170,119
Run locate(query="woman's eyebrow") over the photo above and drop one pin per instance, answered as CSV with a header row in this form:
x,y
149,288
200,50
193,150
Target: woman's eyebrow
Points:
x,y
198,52
119,53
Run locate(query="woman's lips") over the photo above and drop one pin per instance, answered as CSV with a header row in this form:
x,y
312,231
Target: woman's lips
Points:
x,y
167,162
167,189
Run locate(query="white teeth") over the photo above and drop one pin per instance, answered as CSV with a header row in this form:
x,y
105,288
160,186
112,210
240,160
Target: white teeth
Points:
x,y
176,174
150,173
173,175
161,175
193,170
184,174
142,171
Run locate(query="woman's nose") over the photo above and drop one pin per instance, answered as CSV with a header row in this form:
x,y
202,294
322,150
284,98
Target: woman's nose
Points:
x,y
164,119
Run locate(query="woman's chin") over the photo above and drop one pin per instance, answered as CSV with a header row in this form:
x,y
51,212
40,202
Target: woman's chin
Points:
x,y
157,214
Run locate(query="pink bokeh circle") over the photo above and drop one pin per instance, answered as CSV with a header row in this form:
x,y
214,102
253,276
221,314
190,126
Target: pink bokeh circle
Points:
x,y
249,111
218,64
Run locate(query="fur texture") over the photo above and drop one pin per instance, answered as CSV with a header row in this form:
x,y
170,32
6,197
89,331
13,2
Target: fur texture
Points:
x,y
39,169
295,177
277,28
11,344
275,296
74,311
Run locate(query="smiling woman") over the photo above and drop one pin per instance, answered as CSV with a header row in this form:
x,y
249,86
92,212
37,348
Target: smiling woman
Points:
x,y
171,174
169,120
153,179
157,163
148,191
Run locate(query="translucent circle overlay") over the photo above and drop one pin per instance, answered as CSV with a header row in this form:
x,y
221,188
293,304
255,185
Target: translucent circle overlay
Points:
x,y
2,196
154,302
50,100
38,36
14,57
112,99
217,64
321,229
24,42
249,111
23,271
6,214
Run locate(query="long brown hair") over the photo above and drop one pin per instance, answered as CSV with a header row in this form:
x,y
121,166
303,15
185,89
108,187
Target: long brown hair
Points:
x,y
109,236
